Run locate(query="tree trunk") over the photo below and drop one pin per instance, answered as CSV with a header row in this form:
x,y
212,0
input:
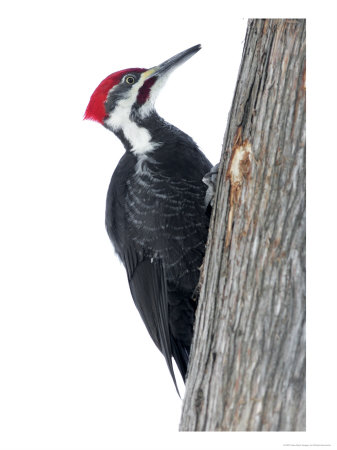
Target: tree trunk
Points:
x,y
247,364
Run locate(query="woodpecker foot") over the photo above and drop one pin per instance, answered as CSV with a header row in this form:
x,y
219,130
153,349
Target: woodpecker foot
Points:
x,y
210,181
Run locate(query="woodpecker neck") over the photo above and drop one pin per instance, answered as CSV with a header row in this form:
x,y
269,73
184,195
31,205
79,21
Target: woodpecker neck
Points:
x,y
139,133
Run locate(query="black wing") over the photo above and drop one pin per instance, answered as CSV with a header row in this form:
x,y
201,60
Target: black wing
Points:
x,y
157,223
148,288
146,274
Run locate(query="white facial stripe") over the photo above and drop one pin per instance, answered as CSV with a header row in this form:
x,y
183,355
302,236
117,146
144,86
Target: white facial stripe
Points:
x,y
139,137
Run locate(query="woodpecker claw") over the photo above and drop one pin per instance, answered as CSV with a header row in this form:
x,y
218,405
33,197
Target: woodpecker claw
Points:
x,y
210,181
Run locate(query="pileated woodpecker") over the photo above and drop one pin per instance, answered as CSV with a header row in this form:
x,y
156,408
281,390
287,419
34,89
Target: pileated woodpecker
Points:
x,y
155,211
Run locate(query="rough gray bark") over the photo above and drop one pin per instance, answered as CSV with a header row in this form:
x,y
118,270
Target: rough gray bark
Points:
x,y
247,364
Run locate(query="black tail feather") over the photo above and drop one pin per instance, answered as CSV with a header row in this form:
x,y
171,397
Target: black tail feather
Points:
x,y
180,354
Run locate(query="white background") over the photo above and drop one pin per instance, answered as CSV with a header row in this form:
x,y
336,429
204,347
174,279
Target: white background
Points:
x,y
77,368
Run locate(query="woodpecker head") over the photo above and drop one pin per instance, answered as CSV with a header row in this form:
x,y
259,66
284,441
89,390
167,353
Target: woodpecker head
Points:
x,y
130,94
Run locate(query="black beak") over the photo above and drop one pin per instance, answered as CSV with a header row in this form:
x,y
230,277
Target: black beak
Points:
x,y
171,63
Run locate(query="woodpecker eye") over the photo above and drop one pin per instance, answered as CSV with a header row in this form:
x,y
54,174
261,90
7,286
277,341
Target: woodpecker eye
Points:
x,y
130,79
